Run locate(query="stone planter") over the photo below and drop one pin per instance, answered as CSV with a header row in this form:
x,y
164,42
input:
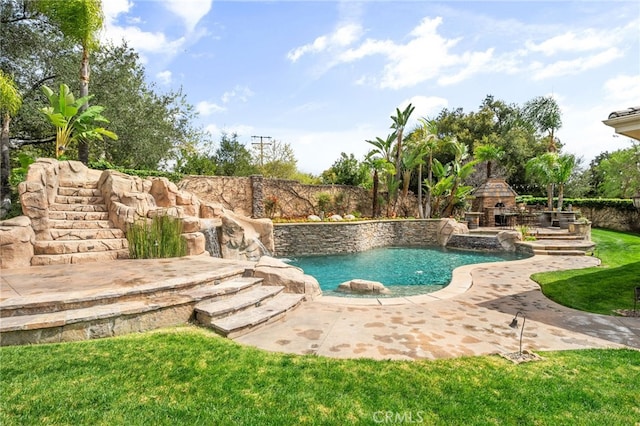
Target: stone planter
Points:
x,y
582,229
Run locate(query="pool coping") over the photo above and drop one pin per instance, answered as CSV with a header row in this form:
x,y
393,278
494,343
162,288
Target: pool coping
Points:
x,y
461,282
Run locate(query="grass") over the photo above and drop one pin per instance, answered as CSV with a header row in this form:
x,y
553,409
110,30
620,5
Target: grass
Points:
x,y
191,376
603,289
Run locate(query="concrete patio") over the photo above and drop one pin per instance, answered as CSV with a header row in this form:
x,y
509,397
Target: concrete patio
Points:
x,y
469,317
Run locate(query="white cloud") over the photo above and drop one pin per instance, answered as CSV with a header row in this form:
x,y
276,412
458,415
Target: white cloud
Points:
x,y
343,36
576,66
243,93
425,106
164,77
574,42
623,89
190,11
206,108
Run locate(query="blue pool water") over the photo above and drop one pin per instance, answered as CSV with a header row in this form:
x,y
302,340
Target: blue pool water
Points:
x,y
405,271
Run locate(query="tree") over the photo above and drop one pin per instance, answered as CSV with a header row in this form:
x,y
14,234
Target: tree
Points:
x,y
620,173
277,160
543,113
232,158
427,136
564,168
346,170
10,102
72,123
80,21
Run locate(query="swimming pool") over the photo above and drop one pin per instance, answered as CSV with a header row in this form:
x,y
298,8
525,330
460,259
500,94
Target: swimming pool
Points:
x,y
405,271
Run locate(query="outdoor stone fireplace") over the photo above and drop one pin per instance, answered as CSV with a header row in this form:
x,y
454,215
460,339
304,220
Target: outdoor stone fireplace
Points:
x,y
494,199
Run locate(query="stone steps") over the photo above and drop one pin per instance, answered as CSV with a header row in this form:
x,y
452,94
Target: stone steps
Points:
x,y
78,184
559,252
86,234
207,312
145,308
245,321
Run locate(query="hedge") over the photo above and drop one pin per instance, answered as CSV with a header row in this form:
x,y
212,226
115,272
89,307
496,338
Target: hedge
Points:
x,y
598,203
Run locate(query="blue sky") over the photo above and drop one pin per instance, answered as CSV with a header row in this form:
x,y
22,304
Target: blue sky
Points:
x,y
325,76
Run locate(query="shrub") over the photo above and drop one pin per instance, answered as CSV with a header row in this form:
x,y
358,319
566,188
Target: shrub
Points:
x,y
159,237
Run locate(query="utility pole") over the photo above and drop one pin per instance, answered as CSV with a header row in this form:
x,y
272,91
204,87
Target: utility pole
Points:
x,y
262,144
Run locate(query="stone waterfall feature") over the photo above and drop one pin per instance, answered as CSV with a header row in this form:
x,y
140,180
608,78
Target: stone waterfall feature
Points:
x,y
212,241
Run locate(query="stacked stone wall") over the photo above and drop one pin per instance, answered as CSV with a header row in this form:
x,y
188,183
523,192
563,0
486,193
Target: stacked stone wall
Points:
x,y
299,239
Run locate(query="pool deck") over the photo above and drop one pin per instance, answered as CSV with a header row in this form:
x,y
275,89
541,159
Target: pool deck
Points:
x,y
469,317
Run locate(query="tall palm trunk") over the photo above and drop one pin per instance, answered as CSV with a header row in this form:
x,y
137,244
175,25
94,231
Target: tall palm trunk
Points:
x,y
376,182
427,207
83,145
5,190
420,209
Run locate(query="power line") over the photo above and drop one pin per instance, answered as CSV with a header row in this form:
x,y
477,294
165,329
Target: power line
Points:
x,y
262,144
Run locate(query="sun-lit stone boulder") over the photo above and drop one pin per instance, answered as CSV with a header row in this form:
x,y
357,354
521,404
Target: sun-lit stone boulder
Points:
x,y
276,272
335,218
195,243
16,242
314,218
508,239
349,217
363,287
449,227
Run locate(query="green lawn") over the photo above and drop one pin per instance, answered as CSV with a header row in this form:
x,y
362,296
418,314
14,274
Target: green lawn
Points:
x,y
191,376
602,289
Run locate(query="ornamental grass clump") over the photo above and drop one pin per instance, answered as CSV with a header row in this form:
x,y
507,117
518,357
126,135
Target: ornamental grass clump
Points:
x,y
159,237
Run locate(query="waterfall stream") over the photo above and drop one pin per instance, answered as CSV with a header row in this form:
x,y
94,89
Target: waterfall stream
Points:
x,y
212,242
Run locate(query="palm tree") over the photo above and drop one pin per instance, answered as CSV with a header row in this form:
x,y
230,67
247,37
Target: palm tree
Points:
x,y
399,123
80,21
488,152
10,102
542,169
379,159
563,170
431,141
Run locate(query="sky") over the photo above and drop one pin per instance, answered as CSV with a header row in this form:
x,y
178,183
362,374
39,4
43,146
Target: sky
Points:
x,y
325,76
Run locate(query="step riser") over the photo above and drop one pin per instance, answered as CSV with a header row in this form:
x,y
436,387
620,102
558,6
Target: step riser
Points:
x,y
76,258
86,234
79,192
78,208
232,306
80,246
104,327
63,199
77,184
78,216
81,224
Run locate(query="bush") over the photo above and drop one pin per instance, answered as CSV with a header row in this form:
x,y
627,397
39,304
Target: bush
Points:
x,y
598,203
106,165
157,238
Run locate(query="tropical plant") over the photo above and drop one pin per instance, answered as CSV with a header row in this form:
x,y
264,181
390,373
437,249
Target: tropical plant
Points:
x,y
80,21
71,124
428,138
461,168
551,169
564,168
10,102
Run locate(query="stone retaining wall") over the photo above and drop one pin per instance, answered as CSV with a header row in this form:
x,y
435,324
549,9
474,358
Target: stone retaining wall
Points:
x,y
299,239
475,242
